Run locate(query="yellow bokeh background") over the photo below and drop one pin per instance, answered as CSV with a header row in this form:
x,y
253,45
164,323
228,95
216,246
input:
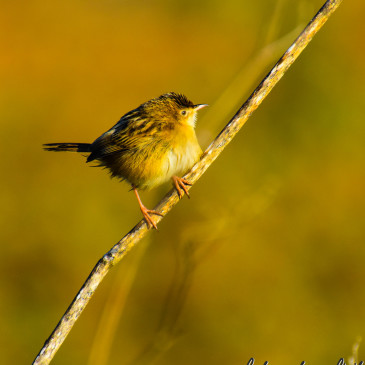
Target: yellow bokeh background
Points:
x,y
266,259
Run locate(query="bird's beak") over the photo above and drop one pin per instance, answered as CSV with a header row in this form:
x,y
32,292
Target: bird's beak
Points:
x,y
200,106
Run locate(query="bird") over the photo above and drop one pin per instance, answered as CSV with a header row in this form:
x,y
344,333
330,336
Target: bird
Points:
x,y
148,146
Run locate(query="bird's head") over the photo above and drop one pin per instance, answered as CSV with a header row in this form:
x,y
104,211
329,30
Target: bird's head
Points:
x,y
173,106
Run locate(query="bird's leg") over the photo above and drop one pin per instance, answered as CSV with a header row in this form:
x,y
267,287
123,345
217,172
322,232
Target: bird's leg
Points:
x,y
146,212
180,185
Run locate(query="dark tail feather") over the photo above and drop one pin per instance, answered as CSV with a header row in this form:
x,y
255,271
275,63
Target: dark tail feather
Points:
x,y
69,147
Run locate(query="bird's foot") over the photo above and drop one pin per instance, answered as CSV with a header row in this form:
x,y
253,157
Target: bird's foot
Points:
x,y
146,214
180,185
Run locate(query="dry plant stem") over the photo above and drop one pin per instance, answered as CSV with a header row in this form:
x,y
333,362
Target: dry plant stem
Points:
x,y
127,242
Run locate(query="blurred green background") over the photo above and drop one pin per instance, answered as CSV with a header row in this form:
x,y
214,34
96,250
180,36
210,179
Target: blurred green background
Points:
x,y
266,259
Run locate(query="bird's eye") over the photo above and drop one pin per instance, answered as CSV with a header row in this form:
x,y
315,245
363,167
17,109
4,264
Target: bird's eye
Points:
x,y
183,112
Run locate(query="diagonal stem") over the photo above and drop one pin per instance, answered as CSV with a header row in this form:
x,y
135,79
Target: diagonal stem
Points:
x,y
216,147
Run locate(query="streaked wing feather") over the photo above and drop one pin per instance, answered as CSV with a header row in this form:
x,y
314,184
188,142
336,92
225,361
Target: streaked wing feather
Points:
x,y
131,132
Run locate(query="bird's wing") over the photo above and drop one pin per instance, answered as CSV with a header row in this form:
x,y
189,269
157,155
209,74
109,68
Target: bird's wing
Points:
x,y
133,131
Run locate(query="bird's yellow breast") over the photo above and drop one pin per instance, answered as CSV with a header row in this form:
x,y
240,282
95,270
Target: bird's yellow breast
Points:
x,y
172,153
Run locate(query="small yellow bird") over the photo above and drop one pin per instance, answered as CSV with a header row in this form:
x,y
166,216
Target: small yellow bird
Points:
x,y
149,145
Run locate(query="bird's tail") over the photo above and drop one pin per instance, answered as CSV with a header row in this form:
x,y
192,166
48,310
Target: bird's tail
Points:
x,y
68,147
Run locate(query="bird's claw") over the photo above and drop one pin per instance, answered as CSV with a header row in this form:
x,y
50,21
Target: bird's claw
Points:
x,y
146,214
180,185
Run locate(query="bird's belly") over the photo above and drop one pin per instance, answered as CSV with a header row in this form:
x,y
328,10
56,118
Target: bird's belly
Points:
x,y
175,161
